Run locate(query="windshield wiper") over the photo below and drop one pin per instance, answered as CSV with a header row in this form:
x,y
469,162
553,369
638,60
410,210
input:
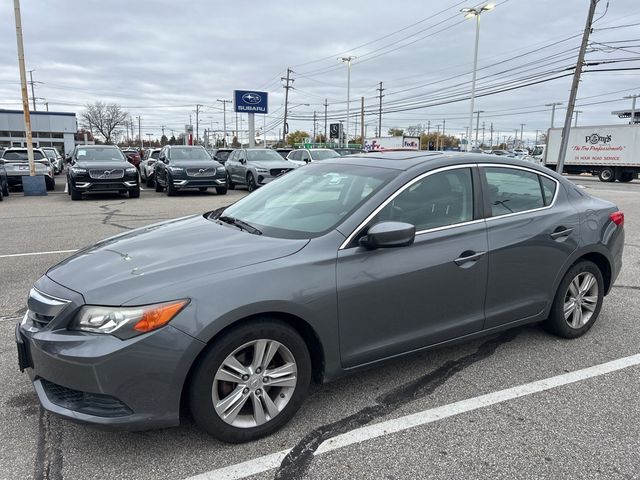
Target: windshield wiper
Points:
x,y
242,225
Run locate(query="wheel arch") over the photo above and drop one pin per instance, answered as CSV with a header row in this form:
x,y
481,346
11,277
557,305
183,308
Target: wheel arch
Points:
x,y
301,326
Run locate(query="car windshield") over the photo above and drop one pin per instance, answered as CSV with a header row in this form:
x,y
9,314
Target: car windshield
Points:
x,y
50,154
21,156
323,154
309,201
102,154
155,154
222,155
182,154
263,155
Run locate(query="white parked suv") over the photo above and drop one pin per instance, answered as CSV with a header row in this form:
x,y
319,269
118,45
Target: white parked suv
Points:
x,y
16,163
302,156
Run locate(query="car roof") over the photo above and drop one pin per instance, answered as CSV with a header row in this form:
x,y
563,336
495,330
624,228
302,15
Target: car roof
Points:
x,y
97,146
408,159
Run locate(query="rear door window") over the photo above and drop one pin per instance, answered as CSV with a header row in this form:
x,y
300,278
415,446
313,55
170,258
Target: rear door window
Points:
x,y
513,190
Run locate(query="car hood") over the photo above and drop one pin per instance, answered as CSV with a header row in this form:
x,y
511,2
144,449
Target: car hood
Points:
x,y
123,267
100,165
268,165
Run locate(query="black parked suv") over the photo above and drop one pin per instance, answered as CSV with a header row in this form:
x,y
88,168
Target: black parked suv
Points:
x,y
101,168
188,166
4,181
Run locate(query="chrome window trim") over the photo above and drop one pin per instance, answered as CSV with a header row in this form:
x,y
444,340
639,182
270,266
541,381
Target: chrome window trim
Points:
x,y
530,170
402,189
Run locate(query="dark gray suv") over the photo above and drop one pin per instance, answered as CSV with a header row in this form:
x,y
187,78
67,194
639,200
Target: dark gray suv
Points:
x,y
188,166
332,267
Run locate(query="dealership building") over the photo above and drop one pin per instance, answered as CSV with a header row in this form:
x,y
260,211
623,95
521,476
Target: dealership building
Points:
x,y
49,129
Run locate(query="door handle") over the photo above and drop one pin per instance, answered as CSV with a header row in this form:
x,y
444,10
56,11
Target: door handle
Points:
x,y
469,256
561,232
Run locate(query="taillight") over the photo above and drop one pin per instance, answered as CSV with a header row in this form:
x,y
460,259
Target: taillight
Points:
x,y
617,218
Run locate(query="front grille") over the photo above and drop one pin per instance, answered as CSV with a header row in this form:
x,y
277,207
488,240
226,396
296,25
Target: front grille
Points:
x,y
96,404
276,172
42,308
99,174
201,172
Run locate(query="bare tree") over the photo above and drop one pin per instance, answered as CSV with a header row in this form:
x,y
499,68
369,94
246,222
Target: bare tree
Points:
x,y
104,118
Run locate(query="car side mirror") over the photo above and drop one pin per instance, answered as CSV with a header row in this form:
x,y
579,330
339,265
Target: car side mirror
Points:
x,y
388,235
243,161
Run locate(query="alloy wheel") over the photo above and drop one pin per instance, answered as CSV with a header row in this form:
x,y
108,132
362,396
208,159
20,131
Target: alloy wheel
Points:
x,y
254,383
581,300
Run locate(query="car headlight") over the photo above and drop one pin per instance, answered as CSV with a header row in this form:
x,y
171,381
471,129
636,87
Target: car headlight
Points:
x,y
262,170
221,170
126,322
131,170
78,170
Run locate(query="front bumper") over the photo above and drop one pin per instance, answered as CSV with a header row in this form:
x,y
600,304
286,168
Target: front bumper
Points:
x,y
132,384
193,182
92,185
14,179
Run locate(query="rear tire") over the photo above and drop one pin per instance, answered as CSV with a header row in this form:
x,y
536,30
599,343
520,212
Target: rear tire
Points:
x,y
607,175
626,177
572,294
50,183
149,181
260,394
221,190
5,190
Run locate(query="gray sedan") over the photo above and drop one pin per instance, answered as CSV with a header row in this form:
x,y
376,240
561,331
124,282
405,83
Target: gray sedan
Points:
x,y
255,167
336,266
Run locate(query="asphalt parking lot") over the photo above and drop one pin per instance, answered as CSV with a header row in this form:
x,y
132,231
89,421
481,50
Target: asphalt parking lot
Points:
x,y
522,404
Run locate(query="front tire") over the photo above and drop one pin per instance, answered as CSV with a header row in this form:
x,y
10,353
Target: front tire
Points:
x,y
170,189
577,302
134,192
250,381
221,190
149,181
626,177
5,189
607,175
75,194
251,182
50,183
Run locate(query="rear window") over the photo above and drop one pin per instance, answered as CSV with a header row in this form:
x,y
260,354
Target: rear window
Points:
x,y
21,156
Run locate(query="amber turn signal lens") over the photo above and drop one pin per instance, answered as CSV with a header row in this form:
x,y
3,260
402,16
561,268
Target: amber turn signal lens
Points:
x,y
159,315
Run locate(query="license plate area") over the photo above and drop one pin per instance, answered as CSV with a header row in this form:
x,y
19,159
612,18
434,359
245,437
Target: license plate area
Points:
x,y
24,355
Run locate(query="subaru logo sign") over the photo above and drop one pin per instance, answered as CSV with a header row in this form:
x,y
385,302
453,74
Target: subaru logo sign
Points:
x,y
246,101
251,98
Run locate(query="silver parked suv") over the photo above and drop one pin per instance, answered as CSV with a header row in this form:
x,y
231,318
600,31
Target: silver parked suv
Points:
x,y
254,167
16,163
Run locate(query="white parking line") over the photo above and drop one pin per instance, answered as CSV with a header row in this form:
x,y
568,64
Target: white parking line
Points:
x,y
31,254
362,434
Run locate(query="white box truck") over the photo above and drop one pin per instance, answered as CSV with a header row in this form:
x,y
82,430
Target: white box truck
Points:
x,y
612,152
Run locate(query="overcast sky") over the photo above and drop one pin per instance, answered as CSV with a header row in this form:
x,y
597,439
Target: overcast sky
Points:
x,y
159,59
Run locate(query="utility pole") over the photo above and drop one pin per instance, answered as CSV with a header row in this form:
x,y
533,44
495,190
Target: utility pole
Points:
x,y
467,136
224,118
482,133
437,136
314,127
362,121
515,138
537,133
574,87
478,112
287,86
491,138
326,137
380,89
521,132
140,133
162,130
553,110
197,122
33,92
633,107
46,104
23,84
577,112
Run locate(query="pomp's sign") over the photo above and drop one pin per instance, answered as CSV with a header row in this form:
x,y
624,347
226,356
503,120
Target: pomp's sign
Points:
x,y
595,138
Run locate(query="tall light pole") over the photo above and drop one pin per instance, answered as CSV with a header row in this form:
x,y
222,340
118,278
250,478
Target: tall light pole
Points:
x,y
553,110
478,112
347,60
224,118
521,132
470,13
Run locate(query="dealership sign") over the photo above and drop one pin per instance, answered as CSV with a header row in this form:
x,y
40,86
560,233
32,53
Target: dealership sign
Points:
x,y
246,101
